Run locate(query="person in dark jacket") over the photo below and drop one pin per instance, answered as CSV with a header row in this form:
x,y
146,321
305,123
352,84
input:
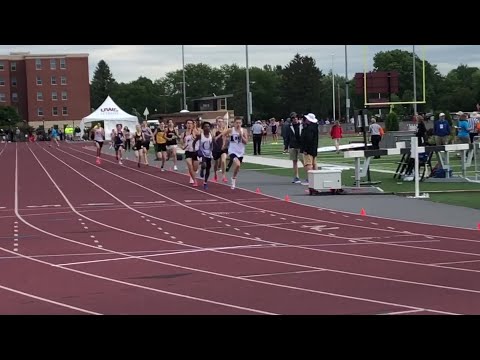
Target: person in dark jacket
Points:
x,y
286,125
292,136
309,143
421,131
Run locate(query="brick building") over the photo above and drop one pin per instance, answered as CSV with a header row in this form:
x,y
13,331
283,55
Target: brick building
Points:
x,y
50,89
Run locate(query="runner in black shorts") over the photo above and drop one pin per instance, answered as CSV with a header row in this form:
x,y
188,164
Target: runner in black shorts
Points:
x,y
220,150
172,136
190,148
147,137
161,143
138,143
119,143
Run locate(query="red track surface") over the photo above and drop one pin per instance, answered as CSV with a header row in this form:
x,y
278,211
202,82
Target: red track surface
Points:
x,y
78,238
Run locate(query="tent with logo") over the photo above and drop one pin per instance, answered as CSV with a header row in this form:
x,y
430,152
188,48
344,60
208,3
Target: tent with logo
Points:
x,y
111,115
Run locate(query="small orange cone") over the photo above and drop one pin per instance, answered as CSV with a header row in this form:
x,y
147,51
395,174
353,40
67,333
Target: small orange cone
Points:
x,y
363,212
478,226
287,198
258,191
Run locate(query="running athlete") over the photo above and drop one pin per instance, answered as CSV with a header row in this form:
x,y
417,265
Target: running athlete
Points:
x,y
147,137
236,148
219,152
161,143
54,136
98,137
191,157
138,141
119,143
205,139
172,136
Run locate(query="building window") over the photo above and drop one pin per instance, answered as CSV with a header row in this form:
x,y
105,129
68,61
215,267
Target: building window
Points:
x,y
14,81
2,65
14,97
38,64
63,64
64,95
53,80
223,104
55,111
63,80
54,95
39,80
39,96
3,98
40,111
2,81
53,64
64,111
13,66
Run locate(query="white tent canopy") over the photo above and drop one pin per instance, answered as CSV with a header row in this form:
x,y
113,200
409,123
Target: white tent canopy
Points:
x,y
111,115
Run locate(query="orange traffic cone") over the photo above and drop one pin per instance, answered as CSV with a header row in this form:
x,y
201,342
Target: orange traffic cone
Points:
x,y
363,212
478,226
258,191
287,198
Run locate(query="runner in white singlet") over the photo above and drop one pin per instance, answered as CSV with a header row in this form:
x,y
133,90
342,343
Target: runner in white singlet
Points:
x,y
236,148
98,137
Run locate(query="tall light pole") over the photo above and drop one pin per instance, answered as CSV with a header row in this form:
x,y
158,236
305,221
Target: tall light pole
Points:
x,y
414,84
249,105
333,89
184,83
347,96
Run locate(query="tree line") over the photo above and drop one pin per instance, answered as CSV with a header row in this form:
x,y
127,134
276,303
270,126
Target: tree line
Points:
x,y
298,86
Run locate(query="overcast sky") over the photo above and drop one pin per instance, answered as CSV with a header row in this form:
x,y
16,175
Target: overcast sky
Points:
x,y
128,62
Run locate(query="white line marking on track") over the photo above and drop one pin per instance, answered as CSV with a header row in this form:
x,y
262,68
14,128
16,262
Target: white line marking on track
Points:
x,y
359,219
148,220
2,207
153,224
15,244
281,273
309,290
237,229
172,237
404,312
283,218
166,233
457,262
92,236
346,216
149,202
95,241
42,206
159,228
98,204
85,227
207,200
391,228
374,223
48,300
228,225
211,218
247,234
15,249
15,234
15,230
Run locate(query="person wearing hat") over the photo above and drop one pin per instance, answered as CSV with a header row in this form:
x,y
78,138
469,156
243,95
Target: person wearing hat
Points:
x,y
463,130
473,125
441,130
309,143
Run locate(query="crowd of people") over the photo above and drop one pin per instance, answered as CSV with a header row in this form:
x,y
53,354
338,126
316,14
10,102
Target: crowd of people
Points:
x,y
202,146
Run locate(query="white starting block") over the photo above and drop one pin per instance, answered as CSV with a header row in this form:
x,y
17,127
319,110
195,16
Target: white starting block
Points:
x,y
326,180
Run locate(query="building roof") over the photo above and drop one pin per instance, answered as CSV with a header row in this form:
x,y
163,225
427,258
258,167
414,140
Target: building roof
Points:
x,y
214,97
28,55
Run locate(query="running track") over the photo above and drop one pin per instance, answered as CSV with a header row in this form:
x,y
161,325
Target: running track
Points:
x,y
78,238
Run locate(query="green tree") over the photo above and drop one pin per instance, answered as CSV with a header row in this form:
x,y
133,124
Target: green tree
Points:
x,y
301,85
9,117
391,123
102,84
401,61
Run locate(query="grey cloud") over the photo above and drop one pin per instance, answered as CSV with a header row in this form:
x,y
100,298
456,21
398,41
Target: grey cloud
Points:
x,y
128,62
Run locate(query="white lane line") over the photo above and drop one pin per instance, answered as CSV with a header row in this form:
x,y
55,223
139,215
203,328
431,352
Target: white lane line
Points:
x,y
282,273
